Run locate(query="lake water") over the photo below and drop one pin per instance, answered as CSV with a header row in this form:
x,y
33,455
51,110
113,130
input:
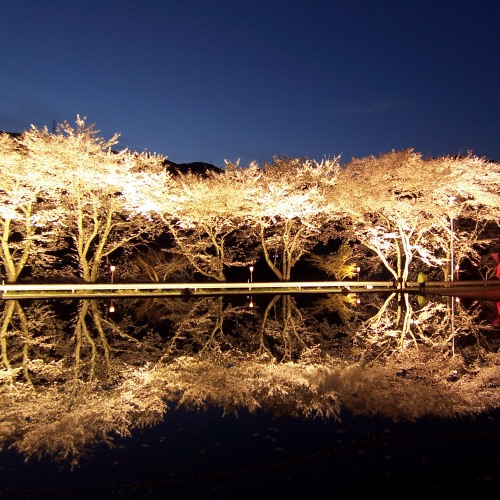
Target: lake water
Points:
x,y
372,395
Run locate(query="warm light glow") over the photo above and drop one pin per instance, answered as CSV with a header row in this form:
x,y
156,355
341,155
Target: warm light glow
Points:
x,y
111,308
112,269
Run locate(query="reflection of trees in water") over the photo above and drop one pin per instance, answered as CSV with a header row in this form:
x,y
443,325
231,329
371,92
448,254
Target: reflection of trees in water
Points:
x,y
74,384
404,323
471,334
84,341
278,329
194,325
344,306
395,326
64,419
233,381
387,325
159,312
286,331
26,340
202,329
66,386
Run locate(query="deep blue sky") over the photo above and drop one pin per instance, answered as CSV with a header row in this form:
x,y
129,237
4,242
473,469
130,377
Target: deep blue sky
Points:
x,y
205,80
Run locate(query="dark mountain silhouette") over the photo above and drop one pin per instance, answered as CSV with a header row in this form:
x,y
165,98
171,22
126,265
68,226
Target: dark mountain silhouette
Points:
x,y
196,167
12,134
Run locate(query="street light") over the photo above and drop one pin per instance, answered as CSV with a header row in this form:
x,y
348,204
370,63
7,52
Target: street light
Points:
x,y
358,269
112,269
250,299
111,307
457,270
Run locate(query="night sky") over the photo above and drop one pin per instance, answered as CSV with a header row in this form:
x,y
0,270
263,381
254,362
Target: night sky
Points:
x,y
208,80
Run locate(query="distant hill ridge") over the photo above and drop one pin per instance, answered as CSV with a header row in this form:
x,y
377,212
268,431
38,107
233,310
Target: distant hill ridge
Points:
x,y
196,167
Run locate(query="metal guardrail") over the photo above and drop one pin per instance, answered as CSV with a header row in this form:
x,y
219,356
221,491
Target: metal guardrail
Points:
x,y
190,286
15,290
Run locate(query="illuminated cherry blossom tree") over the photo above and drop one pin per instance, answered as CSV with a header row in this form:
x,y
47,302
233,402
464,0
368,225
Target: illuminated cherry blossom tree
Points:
x,y
29,224
406,208
291,213
390,203
101,190
204,215
471,200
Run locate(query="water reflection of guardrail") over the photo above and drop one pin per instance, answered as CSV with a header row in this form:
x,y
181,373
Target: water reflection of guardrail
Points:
x,y
456,283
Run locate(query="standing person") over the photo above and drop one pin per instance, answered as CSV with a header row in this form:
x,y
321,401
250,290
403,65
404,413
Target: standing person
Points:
x,y
422,279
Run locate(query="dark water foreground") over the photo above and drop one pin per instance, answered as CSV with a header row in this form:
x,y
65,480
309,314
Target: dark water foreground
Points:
x,y
208,456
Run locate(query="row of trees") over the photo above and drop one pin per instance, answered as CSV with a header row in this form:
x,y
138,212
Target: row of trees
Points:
x,y
70,201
